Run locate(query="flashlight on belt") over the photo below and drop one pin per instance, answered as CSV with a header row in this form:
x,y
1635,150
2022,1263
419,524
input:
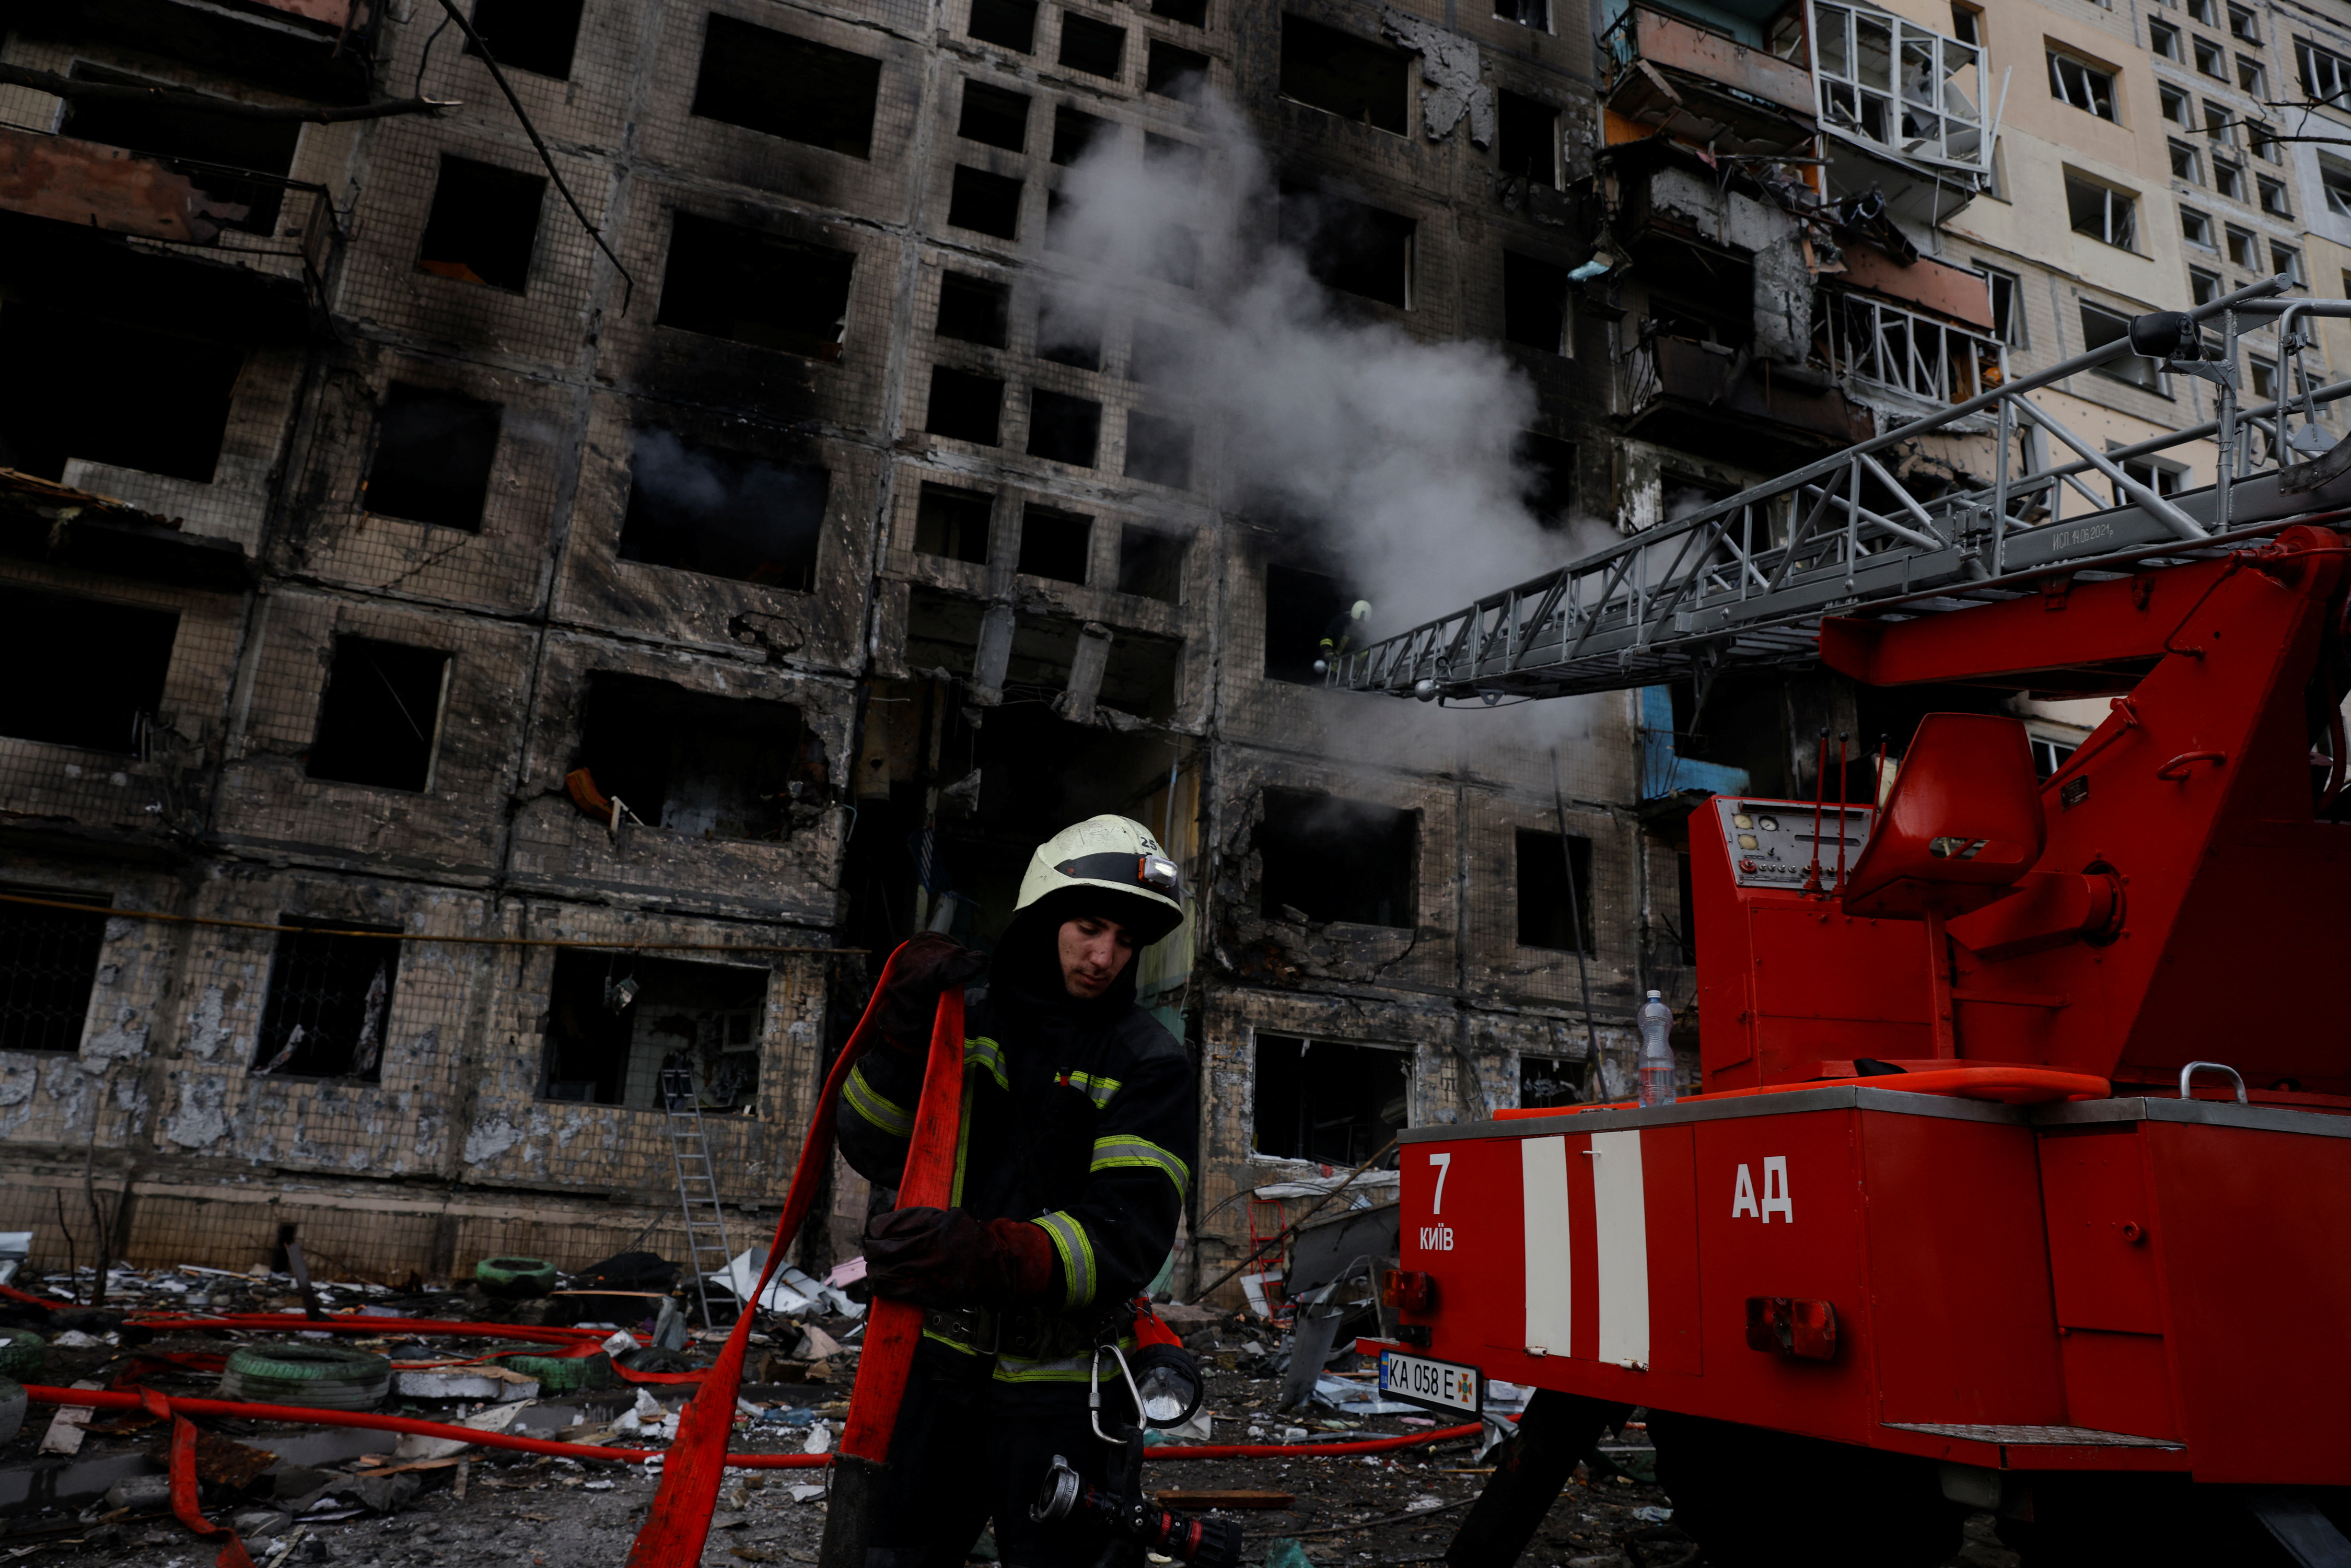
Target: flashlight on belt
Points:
x,y
1204,1543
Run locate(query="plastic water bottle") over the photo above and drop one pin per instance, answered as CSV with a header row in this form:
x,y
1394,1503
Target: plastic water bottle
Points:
x,y
1658,1065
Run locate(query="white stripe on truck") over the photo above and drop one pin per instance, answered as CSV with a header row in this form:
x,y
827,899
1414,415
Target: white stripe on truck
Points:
x,y
1620,1226
1544,1172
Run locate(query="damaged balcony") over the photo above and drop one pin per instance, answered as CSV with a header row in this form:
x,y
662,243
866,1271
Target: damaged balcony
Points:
x,y
1753,408
1660,72
1903,108
1913,362
320,49
42,520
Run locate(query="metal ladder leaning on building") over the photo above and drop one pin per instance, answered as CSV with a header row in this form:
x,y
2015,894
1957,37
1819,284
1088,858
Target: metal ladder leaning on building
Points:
x,y
707,1249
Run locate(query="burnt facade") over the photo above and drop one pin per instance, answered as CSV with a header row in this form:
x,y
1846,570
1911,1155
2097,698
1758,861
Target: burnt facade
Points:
x,y
480,653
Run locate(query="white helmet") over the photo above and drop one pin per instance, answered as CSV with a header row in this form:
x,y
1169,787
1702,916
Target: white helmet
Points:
x,y
1363,608
1116,855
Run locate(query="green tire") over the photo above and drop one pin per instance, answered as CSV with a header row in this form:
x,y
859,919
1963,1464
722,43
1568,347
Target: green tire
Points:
x,y
323,1377
515,1276
562,1374
22,1351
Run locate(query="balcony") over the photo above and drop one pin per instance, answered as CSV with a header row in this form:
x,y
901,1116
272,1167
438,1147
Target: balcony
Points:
x,y
1662,73
44,521
319,49
1893,93
1881,345
89,185
1722,401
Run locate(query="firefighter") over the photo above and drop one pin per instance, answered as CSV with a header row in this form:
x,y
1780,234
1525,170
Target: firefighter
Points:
x,y
1081,1121
1339,635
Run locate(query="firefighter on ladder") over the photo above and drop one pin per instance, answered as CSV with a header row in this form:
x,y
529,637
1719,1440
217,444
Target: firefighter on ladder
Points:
x,y
1081,1121
1339,634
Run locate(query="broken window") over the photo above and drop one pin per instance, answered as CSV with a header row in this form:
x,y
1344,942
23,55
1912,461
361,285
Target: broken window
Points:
x,y
1326,1100
1535,13
2008,306
987,204
1055,544
433,453
1159,449
1327,859
2196,229
330,1001
216,146
2273,197
535,36
1191,13
1342,73
1070,335
1010,23
1172,72
101,670
1548,1080
994,116
71,387
49,960
2244,249
964,406
973,309
378,714
614,1026
2287,260
1074,132
1151,562
484,224
723,514
1299,606
2211,60
720,767
1550,463
2084,86
1062,428
1534,303
794,88
1091,46
2101,211
1529,135
952,522
1547,913
1349,245
735,283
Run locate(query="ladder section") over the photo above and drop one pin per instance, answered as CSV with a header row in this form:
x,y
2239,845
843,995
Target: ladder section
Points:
x,y
707,1249
1747,581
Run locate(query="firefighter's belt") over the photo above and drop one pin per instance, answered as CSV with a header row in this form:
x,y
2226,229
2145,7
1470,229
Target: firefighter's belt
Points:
x,y
1030,1333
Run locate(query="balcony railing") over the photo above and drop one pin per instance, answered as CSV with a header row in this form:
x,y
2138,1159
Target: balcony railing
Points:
x,y
1881,344
1901,86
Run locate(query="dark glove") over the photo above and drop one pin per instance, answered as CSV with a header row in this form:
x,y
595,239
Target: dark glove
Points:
x,y
933,962
945,1257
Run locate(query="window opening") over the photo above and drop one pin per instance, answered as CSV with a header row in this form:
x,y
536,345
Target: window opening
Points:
x,y
2243,250
2082,85
2334,181
614,1025
2219,125
1173,72
1062,428
534,36
726,281
2048,756
1966,24
2265,379
2211,60
1191,13
167,130
2251,78
1534,303
1550,465
1055,544
994,116
330,1001
2325,75
1338,859
719,767
2007,307
48,962
2187,163
2273,194
2101,327
2203,288
2176,106
2163,39
973,309
1010,23
1091,46
2101,211
1546,910
2263,139
1342,73
1070,335
1298,605
380,714
1545,1082
2163,478
1159,449
2286,259
1326,1100
723,513
1151,562
794,88
2240,25
1535,13
101,670
73,387
985,202
964,406
1527,130
433,453
1074,132
2229,179
1349,245
952,522
1157,353
484,224
2202,11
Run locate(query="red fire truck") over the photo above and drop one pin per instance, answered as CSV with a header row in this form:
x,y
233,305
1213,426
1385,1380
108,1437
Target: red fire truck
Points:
x,y
2018,1174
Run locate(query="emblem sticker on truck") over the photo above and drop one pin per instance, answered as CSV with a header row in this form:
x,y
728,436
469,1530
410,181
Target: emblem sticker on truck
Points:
x,y
1433,1384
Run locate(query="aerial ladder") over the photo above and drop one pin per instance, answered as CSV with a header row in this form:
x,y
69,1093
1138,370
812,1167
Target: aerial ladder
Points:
x,y
2018,1173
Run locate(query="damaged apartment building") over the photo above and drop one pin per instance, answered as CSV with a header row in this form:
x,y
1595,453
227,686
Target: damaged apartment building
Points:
x,y
514,596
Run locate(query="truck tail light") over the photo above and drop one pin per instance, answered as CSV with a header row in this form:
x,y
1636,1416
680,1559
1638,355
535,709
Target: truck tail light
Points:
x,y
1791,1326
1408,1289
